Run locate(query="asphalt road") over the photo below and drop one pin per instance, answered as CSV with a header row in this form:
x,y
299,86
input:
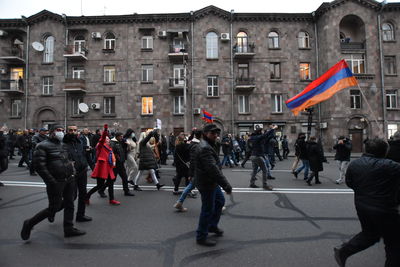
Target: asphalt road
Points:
x,y
294,225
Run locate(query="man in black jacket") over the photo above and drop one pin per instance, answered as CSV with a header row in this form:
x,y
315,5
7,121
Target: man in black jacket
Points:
x,y
209,179
342,156
76,154
376,184
301,149
57,171
24,143
394,151
120,156
3,153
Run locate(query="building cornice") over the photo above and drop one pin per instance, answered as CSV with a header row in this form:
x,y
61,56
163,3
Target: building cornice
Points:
x,y
325,7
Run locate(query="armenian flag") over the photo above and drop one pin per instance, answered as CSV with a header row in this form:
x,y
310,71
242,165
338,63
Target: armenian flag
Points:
x,y
207,117
335,79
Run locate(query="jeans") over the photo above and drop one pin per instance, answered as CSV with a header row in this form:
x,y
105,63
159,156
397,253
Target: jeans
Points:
x,y
258,162
226,160
267,165
212,202
305,166
185,192
342,169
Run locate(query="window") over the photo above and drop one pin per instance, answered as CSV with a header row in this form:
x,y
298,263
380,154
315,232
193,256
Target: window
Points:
x,y
109,105
355,99
305,73
277,103
78,73
178,45
243,72
147,42
273,40
387,32
390,65
178,105
147,105
304,40
109,41
212,86
16,105
392,129
47,85
109,74
48,54
242,42
244,105
147,73
212,45
75,105
391,99
356,63
275,70
79,44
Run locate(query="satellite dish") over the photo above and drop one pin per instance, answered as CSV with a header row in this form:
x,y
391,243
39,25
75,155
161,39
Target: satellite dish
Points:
x,y
38,46
84,108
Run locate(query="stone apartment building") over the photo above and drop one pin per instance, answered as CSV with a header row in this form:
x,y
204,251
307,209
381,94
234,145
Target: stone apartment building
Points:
x,y
133,69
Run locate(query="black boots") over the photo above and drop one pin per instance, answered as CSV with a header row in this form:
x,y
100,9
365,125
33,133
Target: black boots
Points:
x,y
206,242
159,186
26,230
73,232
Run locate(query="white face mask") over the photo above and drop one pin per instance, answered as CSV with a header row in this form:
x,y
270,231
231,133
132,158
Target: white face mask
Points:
x,y
59,135
133,135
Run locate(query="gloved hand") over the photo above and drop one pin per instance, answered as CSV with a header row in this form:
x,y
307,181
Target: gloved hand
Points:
x,y
228,189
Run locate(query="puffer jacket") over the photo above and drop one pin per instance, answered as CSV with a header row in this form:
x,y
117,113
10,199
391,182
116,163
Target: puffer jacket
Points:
x,y
394,151
72,144
376,184
51,162
147,160
208,174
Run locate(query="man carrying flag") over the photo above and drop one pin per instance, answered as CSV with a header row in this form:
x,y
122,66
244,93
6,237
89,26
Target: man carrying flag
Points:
x,y
335,79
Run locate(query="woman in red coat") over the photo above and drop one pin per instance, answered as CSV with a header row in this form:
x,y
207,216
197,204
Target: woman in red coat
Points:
x,y
103,171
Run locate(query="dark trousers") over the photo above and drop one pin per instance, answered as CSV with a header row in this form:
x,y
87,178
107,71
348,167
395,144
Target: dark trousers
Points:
x,y
121,171
375,225
259,162
178,178
285,152
81,184
246,157
3,163
89,159
61,196
101,186
11,149
212,202
24,158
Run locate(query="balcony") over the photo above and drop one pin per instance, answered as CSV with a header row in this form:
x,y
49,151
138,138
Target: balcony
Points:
x,y
245,84
243,52
178,53
13,55
75,85
347,45
12,86
75,53
176,84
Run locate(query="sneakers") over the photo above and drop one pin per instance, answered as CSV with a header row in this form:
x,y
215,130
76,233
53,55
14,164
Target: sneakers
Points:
x,y
206,242
73,232
26,230
114,202
338,181
137,188
83,218
128,194
159,186
271,178
176,193
267,187
179,206
192,195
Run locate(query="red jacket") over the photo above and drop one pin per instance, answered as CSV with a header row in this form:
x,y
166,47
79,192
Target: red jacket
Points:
x,y
105,159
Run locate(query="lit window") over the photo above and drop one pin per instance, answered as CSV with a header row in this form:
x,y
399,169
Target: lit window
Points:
x,y
212,86
212,45
242,42
109,41
109,74
147,105
147,73
305,73
277,103
47,85
273,40
244,104
178,105
391,99
355,99
109,105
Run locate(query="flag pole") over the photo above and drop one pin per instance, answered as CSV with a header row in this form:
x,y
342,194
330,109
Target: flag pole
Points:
x,y
371,111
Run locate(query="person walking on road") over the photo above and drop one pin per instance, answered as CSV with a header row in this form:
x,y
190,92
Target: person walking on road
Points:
x,y
52,163
376,184
316,159
301,149
342,156
209,179
131,154
181,159
285,147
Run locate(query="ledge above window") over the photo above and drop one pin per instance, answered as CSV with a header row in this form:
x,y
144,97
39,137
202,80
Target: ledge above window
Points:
x,y
212,59
275,80
108,83
146,49
46,95
108,51
304,48
178,114
15,117
144,82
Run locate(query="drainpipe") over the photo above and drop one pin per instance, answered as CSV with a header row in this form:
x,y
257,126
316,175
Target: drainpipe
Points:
x,y
382,73
65,72
26,71
232,80
192,69
317,71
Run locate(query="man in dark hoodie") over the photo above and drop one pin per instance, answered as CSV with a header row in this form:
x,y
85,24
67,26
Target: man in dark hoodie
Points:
x,y
394,151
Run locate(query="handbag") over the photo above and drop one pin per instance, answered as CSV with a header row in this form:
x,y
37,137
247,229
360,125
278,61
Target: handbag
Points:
x,y
185,163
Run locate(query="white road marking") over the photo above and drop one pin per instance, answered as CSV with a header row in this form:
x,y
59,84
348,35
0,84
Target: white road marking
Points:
x,y
235,190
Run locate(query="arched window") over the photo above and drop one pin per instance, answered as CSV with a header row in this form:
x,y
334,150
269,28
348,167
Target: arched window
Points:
x,y
304,40
387,32
48,55
273,40
109,41
242,42
212,45
79,44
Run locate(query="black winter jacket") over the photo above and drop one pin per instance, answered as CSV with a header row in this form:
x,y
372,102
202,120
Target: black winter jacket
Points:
x,y
376,184
3,146
208,174
38,138
119,151
258,142
301,148
51,162
76,153
343,151
394,151
315,156
193,149
182,153
24,142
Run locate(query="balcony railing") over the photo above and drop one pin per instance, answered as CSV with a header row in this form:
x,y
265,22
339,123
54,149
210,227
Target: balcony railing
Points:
x,y
178,53
75,85
352,45
12,86
245,83
76,53
244,51
12,54
176,82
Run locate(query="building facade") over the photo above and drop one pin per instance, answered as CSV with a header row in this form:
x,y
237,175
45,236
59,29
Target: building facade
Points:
x,y
130,70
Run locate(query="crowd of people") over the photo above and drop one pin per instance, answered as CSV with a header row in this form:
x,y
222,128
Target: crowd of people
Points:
x,y
62,159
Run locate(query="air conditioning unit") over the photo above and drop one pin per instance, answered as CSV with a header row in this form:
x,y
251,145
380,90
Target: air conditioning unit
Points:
x,y
3,33
225,36
3,71
96,35
95,105
162,34
323,125
196,111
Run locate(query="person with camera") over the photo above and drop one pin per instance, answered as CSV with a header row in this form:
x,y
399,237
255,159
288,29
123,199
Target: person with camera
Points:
x,y
342,156
52,163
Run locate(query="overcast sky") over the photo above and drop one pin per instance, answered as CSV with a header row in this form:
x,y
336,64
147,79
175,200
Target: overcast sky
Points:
x,y
16,8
